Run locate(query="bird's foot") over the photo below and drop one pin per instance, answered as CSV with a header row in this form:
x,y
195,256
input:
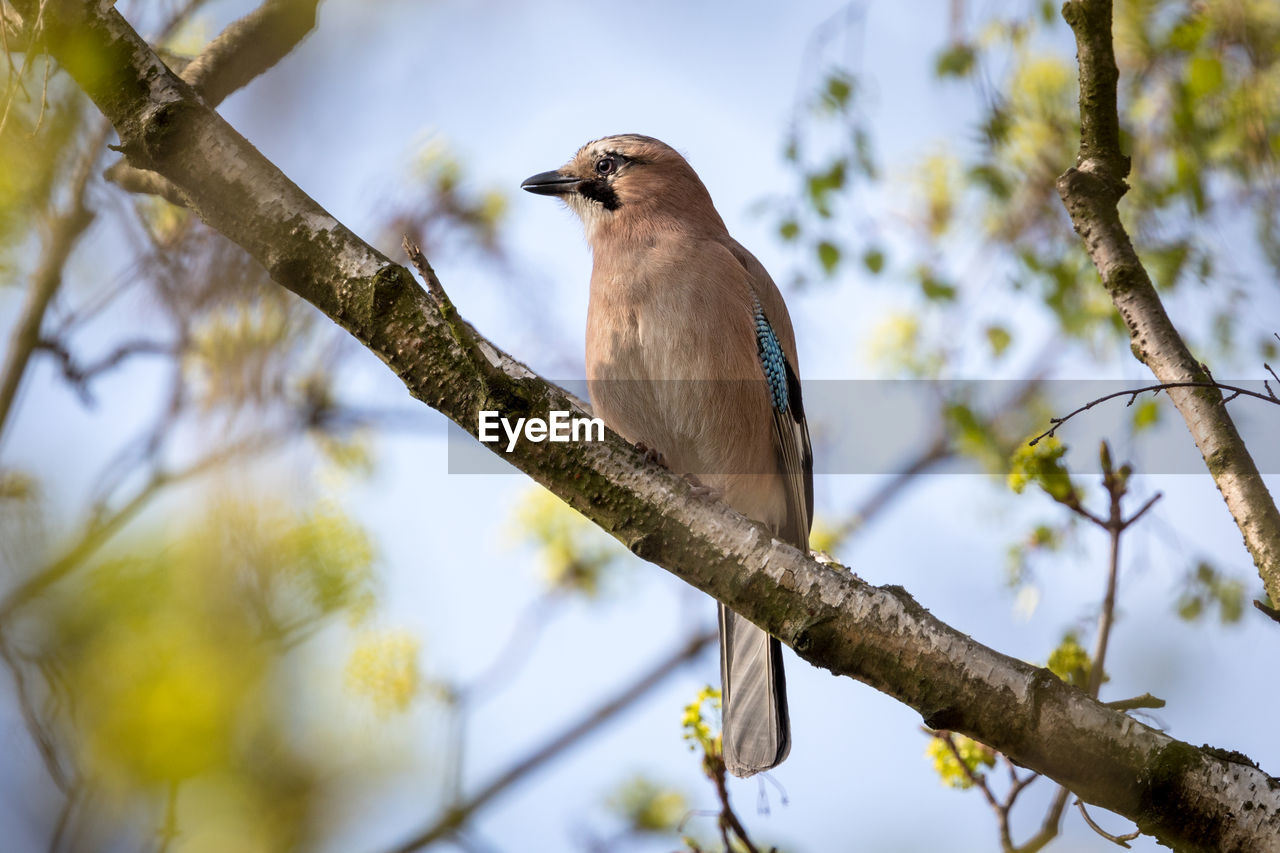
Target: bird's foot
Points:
x,y
700,490
652,456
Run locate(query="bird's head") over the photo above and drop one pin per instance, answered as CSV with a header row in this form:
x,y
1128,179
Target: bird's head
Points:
x,y
628,184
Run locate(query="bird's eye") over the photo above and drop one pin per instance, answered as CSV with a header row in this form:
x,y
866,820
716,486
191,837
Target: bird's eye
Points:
x,y
606,166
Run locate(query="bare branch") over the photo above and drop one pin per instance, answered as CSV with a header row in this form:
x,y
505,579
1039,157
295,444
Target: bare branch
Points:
x,y
1091,192
1146,700
464,336
1133,393
1122,840
456,816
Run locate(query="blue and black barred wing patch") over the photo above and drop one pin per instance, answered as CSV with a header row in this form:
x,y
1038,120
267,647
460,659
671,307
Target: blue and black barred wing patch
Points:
x,y
795,454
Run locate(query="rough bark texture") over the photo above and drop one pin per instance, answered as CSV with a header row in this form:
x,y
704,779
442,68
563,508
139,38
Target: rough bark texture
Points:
x,y
245,49
1091,192
1192,798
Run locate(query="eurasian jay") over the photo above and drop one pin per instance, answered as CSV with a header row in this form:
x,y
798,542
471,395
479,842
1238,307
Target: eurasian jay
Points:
x,y
691,354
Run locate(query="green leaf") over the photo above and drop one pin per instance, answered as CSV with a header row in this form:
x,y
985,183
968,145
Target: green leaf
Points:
x,y
989,178
1204,76
789,229
1070,662
1145,415
828,256
1189,32
1206,586
1041,464
937,290
873,260
839,89
956,61
999,339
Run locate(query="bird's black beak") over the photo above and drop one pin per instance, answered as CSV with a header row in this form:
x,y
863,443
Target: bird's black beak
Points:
x,y
550,183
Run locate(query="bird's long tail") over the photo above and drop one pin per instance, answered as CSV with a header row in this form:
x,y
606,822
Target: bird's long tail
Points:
x,y
757,733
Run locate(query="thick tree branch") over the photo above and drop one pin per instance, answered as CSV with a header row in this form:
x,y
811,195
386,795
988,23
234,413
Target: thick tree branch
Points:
x,y
1091,191
1194,799
246,48
249,47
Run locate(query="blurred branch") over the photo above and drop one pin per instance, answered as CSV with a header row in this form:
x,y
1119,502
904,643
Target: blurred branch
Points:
x,y
515,652
1091,192
81,376
64,231
937,452
456,816
40,734
103,526
878,635
63,824
246,48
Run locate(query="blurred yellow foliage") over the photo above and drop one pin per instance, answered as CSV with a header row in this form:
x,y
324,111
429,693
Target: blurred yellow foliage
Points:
x,y
574,552
384,668
233,357
649,807
172,661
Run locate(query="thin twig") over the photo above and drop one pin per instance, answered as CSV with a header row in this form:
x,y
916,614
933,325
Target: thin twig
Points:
x,y
1107,614
1142,510
1133,394
1146,700
492,375
727,820
1122,840
1269,611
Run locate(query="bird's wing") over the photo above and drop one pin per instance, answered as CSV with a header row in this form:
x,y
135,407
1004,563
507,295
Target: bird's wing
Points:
x,y
776,342
791,430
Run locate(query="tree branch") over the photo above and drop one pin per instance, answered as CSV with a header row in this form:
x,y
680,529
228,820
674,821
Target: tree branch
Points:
x,y
1187,797
1055,423
1091,192
246,48
456,816
101,528
64,233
